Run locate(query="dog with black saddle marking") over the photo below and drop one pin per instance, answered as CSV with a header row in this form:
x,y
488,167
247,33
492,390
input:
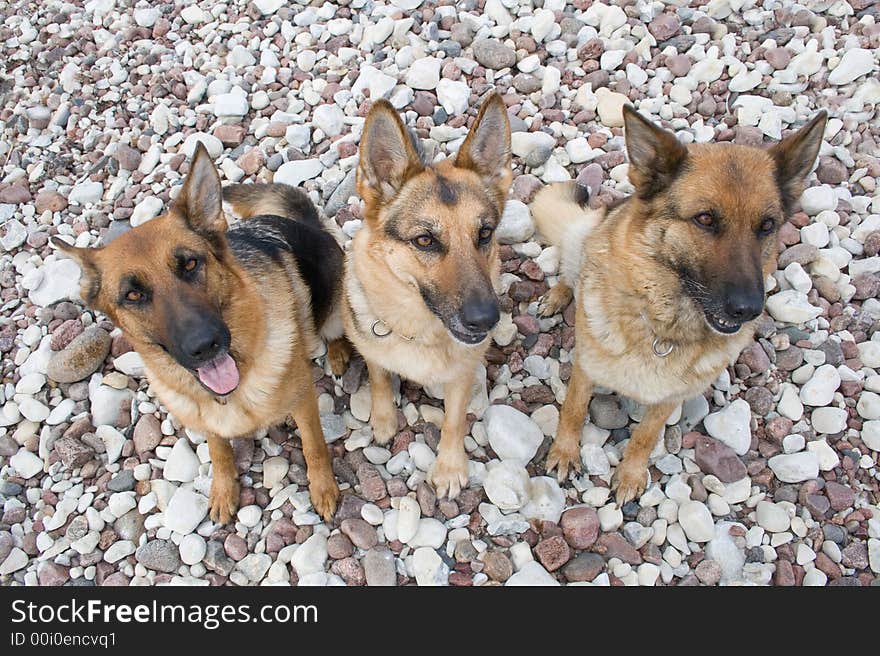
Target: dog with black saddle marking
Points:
x,y
226,320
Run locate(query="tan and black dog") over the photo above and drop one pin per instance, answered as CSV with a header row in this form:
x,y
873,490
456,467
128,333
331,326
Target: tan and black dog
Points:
x,y
668,283
420,274
226,320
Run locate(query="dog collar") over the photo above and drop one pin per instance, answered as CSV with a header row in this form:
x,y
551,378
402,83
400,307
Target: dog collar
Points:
x,y
378,328
661,348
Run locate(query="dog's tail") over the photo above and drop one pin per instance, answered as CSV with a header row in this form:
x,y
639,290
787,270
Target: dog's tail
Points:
x,y
250,200
564,220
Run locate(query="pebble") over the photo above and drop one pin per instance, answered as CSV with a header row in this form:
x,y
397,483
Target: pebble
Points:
x,y
731,426
512,434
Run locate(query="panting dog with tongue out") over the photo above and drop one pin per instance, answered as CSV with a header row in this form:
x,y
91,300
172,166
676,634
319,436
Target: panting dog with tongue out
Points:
x,y
226,320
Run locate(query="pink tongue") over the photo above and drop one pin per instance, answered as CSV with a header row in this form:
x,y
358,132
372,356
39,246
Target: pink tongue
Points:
x,y
220,375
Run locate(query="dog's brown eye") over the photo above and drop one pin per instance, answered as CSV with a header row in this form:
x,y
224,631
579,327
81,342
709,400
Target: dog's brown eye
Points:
x,y
424,241
485,235
767,226
190,264
134,296
705,220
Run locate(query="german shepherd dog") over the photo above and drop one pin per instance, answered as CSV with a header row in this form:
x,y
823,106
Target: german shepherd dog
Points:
x,y
226,320
420,274
669,282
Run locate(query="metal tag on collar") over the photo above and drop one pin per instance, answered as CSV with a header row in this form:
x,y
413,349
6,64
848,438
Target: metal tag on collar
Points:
x,y
662,349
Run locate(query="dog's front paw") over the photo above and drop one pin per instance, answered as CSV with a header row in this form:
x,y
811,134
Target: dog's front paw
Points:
x,y
564,456
338,354
629,482
449,473
324,493
384,424
223,501
555,300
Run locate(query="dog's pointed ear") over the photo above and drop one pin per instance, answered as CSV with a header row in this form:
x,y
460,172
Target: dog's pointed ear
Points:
x,y
388,157
796,154
200,201
86,258
655,155
486,149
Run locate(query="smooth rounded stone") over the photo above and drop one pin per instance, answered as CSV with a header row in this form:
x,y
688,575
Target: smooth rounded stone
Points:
x,y
185,511
147,434
732,426
791,306
595,460
14,561
33,410
360,532
512,434
610,107
233,105
30,383
546,500
121,502
86,193
250,516
211,143
607,411
274,471
379,567
431,533
525,144
81,357
254,566
854,63
159,555
817,199
149,208
696,521
330,119
868,405
182,465
507,485
516,225
453,96
493,54
532,573
610,517
408,514
119,550
793,443
819,390
829,420
716,458
310,556
27,464
298,171
580,527
827,456
130,364
795,467
871,435
772,517
372,514
424,73
428,568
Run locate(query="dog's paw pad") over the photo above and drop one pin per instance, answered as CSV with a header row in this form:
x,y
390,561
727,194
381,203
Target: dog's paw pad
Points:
x,y
223,501
563,459
324,493
384,427
449,475
338,355
629,483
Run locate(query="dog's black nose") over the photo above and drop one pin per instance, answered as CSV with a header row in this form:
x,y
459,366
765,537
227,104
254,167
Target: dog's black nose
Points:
x,y
743,305
480,314
203,343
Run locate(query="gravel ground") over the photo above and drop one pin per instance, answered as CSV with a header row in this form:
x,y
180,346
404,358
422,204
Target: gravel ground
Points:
x,y
771,477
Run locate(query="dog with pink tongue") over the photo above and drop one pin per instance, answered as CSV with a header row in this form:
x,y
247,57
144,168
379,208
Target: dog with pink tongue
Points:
x,y
227,320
